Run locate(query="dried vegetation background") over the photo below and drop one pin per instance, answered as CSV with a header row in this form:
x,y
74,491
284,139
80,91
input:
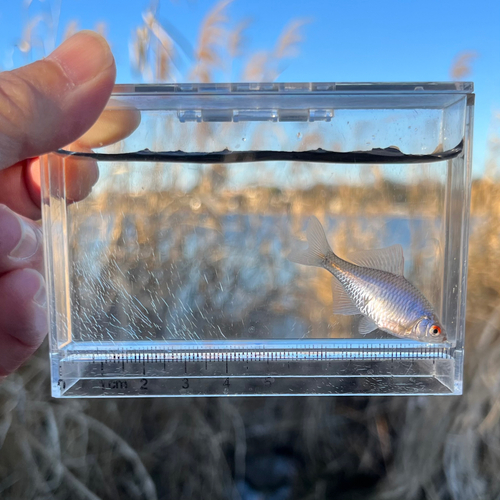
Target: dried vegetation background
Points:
x,y
271,448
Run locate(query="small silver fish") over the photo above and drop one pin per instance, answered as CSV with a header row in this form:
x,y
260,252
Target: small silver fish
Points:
x,y
373,285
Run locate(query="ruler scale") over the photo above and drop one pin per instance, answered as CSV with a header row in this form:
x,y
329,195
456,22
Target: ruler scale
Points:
x,y
308,369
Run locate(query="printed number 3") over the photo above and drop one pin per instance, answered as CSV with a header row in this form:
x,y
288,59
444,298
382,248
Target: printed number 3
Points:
x,y
185,383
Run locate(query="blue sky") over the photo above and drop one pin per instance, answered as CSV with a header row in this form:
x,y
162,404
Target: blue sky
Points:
x,y
384,40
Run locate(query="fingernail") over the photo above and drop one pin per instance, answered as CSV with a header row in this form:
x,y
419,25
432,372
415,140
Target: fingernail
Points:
x,y
40,297
83,56
40,319
28,242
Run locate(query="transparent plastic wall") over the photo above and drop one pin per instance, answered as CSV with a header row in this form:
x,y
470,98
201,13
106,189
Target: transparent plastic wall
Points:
x,y
176,276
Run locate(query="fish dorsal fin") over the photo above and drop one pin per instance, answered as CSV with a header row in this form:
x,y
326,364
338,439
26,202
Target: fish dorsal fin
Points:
x,y
366,325
342,303
388,259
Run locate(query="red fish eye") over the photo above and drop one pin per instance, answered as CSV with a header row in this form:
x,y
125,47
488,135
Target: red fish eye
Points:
x,y
435,330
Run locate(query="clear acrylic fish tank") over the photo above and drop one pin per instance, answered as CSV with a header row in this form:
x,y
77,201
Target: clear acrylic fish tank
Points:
x,y
172,277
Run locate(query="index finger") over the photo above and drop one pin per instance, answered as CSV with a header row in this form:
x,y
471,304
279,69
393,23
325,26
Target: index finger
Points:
x,y
115,123
81,174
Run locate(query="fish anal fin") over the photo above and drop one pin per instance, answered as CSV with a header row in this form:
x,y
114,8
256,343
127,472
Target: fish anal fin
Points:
x,y
388,259
342,303
366,325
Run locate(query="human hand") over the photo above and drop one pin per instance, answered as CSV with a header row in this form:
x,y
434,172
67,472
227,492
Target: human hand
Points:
x,y
43,106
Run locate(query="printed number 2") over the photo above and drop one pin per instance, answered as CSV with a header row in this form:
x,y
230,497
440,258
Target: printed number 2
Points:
x,y
185,383
144,383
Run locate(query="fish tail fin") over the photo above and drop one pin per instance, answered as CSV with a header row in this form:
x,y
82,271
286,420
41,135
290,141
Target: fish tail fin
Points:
x,y
318,247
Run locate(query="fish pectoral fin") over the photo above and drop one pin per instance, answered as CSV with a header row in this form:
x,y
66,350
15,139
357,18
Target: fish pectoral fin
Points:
x,y
366,325
342,303
388,259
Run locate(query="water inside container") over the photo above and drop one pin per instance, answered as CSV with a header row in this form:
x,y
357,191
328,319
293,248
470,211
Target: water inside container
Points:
x,y
164,251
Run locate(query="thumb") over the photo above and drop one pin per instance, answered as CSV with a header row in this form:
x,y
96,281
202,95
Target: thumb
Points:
x,y
52,102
